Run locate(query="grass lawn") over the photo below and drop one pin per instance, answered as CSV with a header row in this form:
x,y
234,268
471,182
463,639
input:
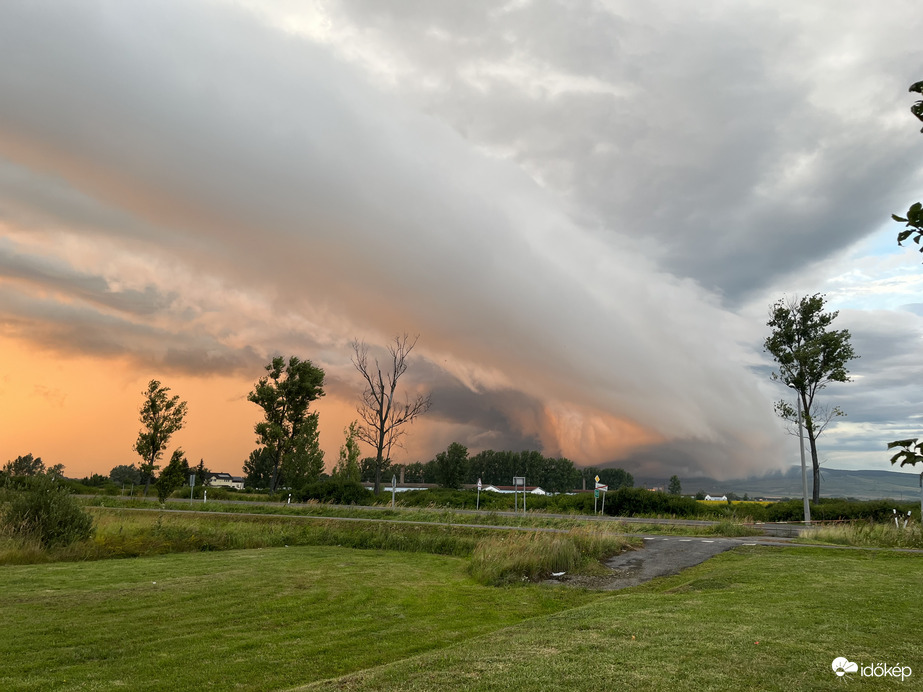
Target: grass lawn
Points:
x,y
336,618
245,619
752,619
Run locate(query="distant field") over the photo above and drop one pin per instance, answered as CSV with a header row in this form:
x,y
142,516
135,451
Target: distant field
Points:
x,y
283,617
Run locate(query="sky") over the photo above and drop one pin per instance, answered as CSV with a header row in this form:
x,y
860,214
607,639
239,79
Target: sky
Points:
x,y
583,209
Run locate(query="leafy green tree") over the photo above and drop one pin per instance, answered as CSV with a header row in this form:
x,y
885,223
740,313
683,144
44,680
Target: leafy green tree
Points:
x,y
616,478
161,416
452,466
809,356
285,395
914,219
26,465
305,461
369,468
911,450
413,473
258,468
174,475
700,495
675,487
127,474
384,419
347,467
202,473
95,480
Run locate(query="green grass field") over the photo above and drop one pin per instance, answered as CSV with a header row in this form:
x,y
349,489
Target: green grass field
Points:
x,y
280,618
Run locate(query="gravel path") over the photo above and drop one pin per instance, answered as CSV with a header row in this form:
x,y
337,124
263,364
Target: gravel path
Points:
x,y
663,555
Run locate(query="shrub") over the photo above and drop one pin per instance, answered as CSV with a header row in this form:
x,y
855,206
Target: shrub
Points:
x,y
637,502
831,509
457,499
46,512
341,492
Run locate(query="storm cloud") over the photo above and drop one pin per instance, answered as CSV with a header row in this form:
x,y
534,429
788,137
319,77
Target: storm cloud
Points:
x,y
575,207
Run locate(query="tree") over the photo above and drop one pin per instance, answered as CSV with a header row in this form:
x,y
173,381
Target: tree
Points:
x,y
809,356
174,476
285,395
305,462
385,419
914,219
675,488
202,473
25,466
368,468
911,450
125,474
347,467
161,416
452,466
258,468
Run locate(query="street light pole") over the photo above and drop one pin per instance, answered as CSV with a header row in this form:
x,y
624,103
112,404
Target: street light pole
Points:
x,y
804,469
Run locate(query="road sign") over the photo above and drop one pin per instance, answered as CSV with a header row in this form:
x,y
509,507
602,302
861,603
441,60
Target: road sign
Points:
x,y
596,493
597,479
519,480
479,483
600,486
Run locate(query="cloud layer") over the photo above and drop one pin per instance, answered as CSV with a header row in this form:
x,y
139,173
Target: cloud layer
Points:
x,y
575,207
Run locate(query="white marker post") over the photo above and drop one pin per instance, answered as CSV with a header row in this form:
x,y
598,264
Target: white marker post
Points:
x,y
478,505
604,488
393,489
191,485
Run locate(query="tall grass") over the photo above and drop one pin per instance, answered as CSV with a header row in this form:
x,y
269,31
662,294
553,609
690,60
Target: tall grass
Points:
x,y
867,534
136,534
535,556
496,559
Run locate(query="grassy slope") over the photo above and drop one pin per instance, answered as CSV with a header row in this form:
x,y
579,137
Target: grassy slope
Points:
x,y
248,619
699,631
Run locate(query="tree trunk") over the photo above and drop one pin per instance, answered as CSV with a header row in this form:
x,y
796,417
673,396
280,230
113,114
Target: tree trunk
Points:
x,y
275,471
815,494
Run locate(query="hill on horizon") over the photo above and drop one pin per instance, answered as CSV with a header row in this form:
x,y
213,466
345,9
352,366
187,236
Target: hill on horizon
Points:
x,y
862,484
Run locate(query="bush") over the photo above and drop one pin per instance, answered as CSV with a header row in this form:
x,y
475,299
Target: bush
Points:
x,y
456,499
46,512
637,502
830,509
340,492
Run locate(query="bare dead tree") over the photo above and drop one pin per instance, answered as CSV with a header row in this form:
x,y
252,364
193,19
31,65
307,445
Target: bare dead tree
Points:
x,y
384,419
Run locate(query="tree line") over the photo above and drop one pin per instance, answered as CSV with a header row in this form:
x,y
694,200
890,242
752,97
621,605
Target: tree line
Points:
x,y
454,468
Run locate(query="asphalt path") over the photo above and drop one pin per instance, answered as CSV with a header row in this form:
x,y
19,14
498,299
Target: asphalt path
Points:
x,y
666,555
